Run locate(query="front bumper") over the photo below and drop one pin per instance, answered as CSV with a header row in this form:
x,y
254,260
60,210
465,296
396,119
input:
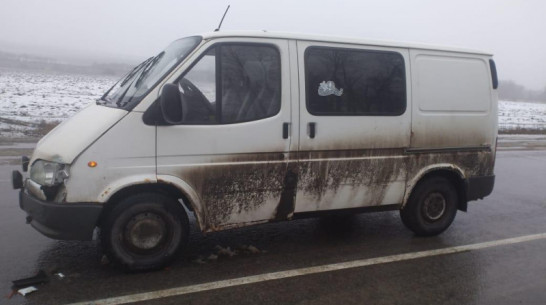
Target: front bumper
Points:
x,y
66,221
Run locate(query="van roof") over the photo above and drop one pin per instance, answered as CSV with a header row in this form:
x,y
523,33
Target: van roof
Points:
x,y
348,40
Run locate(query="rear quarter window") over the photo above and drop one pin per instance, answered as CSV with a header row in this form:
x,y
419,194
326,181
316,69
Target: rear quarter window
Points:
x,y
353,82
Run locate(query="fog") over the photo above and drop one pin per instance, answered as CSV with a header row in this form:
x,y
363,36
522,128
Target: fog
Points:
x,y
128,31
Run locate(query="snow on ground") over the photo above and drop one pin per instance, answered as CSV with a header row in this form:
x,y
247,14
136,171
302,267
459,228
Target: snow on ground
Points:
x,y
31,100
28,99
522,115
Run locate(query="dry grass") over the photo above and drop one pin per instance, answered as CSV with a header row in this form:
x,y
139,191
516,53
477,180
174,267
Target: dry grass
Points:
x,y
45,127
14,122
521,130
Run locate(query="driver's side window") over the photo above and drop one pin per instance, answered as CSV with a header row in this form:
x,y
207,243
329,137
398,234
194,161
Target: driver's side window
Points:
x,y
232,83
199,89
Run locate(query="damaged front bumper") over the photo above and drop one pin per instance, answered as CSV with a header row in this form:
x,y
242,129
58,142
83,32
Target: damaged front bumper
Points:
x,y
66,221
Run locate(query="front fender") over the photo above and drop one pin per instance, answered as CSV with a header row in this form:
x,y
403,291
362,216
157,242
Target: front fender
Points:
x,y
190,194
122,183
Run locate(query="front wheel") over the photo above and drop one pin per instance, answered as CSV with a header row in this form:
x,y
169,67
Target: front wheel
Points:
x,y
145,231
431,207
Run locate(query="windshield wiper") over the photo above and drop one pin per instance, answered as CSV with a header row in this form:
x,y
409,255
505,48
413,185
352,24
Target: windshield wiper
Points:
x,y
124,80
145,67
135,70
148,67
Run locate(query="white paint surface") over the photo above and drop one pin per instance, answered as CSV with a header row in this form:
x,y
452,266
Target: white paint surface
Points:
x,y
64,143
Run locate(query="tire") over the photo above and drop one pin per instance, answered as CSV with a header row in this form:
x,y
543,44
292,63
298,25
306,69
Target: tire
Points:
x,y
431,207
144,232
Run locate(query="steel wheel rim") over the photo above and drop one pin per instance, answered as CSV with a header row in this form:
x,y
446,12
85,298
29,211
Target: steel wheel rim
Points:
x,y
434,206
145,233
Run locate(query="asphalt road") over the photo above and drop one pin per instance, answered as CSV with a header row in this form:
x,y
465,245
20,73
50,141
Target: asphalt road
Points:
x,y
344,260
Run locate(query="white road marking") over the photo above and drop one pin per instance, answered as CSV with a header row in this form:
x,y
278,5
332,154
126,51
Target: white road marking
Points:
x,y
147,296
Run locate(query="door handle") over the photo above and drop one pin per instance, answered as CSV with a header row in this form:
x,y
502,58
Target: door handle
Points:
x,y
312,130
285,129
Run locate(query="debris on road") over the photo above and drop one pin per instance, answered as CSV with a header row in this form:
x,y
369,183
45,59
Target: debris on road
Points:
x,y
104,260
250,249
39,278
253,250
60,275
221,251
25,291
199,260
12,293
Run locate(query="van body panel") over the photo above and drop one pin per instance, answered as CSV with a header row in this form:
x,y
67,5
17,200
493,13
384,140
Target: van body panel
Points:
x,y
348,179
417,174
190,194
452,102
454,124
294,130
125,155
467,163
123,182
338,40
79,132
353,160
237,170
233,189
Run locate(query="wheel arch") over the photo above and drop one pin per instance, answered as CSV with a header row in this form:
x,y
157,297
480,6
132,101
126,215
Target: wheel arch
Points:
x,y
160,186
449,171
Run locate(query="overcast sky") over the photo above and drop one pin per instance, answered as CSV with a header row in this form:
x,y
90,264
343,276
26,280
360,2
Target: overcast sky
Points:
x,y
133,29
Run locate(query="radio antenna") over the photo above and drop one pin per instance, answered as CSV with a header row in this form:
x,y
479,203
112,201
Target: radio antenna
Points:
x,y
220,25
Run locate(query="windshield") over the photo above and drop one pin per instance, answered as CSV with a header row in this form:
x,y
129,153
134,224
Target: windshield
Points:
x,y
134,86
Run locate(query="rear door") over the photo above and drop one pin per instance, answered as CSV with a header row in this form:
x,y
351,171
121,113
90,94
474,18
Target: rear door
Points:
x,y
231,150
355,123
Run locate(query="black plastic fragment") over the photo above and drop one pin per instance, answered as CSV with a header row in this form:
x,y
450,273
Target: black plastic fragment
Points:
x,y
39,278
24,163
16,180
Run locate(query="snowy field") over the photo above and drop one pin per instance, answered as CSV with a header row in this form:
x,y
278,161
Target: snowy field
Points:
x,y
30,102
522,115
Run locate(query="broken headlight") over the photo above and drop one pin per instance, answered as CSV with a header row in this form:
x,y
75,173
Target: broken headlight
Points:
x,y
48,173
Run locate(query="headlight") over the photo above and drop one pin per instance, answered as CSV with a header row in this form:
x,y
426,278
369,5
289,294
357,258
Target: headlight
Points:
x,y
48,173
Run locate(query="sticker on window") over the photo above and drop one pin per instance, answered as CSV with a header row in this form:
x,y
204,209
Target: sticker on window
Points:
x,y
329,88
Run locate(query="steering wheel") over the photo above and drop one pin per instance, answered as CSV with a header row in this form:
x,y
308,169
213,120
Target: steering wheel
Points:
x,y
194,94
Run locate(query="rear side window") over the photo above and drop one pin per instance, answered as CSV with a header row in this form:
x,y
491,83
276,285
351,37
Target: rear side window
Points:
x,y
232,83
354,82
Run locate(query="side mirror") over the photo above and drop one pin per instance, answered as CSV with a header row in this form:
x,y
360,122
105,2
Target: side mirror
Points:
x,y
172,104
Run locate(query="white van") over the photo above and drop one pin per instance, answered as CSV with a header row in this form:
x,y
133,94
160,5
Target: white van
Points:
x,y
248,128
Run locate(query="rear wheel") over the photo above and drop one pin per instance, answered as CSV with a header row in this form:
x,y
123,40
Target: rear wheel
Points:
x,y
145,231
431,207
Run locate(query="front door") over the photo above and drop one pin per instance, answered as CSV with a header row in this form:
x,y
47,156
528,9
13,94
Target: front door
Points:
x,y
354,126
230,148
